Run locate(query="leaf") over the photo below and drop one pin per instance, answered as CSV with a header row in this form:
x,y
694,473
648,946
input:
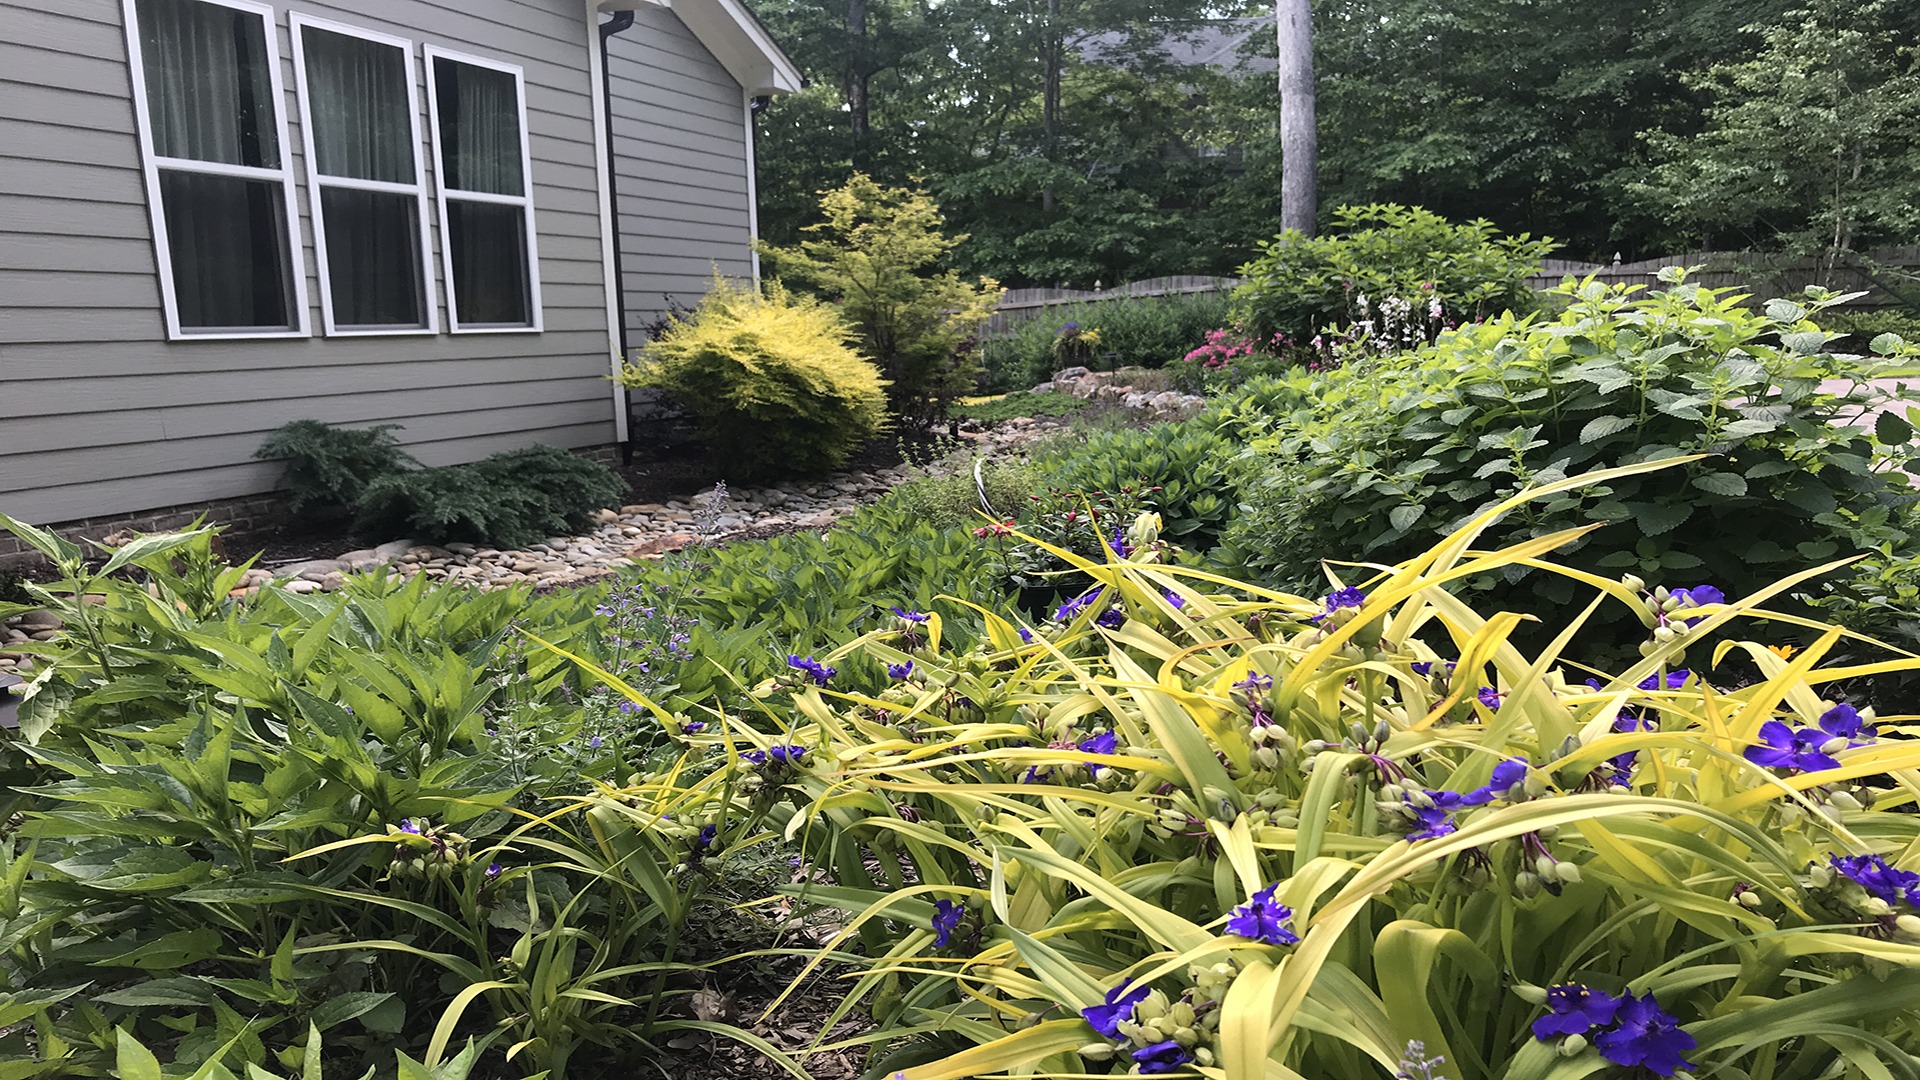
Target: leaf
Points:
x,y
1889,429
1886,344
1602,426
1657,518
132,1060
1729,484
1785,311
349,1006
146,547
1404,517
1805,342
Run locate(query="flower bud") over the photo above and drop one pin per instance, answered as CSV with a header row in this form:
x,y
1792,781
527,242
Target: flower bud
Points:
x,y
1203,1056
1381,730
1186,1036
1844,800
1663,634
1908,925
1546,868
1819,876
1359,733
1748,899
1573,1045
1632,583
1527,884
1569,873
1877,907
1266,757
1181,1013
1098,1051
1529,993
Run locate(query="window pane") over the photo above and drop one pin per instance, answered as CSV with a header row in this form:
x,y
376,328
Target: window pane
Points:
x,y
357,99
489,246
228,242
209,91
373,258
479,128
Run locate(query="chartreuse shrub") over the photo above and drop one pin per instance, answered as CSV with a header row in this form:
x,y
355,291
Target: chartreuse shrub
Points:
x,y
769,379
1386,266
1193,827
252,823
1377,461
511,499
329,467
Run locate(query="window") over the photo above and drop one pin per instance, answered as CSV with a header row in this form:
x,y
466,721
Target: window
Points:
x,y
360,118
486,212
208,98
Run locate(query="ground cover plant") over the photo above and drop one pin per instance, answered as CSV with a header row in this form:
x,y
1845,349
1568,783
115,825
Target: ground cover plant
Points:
x,y
329,467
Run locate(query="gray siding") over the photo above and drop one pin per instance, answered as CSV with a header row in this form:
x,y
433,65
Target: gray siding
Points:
x,y
101,415
680,159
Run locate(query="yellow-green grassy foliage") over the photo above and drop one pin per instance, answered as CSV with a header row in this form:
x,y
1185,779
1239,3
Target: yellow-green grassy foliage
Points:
x,y
1693,874
769,379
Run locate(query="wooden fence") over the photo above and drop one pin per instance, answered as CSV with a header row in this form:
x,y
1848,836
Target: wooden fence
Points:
x,y
1019,305
1879,275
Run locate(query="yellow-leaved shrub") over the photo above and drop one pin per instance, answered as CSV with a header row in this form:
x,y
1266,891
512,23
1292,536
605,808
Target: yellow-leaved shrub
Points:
x,y
769,379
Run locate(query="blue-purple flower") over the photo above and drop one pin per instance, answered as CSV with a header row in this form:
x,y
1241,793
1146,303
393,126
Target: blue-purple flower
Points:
x,y
1880,878
1111,618
1647,1037
1782,747
1036,775
1255,683
777,757
1434,821
820,673
946,918
1845,722
407,826
1176,600
899,671
704,842
1263,919
1104,743
1161,1057
1026,635
1489,697
1425,667
911,616
693,727
493,871
1506,776
1674,680
1348,597
1575,1010
1066,612
1118,545
1105,1018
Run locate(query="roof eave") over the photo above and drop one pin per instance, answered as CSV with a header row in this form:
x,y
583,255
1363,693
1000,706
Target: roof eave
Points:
x,y
735,38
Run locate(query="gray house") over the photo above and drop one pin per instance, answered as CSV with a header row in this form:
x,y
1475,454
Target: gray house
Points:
x,y
218,216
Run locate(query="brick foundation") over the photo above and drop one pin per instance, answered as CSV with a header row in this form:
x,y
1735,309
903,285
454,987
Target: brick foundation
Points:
x,y
246,514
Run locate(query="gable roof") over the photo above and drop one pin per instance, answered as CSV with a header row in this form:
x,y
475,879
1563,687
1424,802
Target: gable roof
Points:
x,y
735,38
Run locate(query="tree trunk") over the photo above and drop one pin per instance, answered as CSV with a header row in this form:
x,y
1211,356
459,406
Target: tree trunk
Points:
x,y
857,76
1299,136
1050,99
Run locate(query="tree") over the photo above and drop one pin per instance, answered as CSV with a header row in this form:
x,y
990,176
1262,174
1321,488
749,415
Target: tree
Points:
x,y
1811,143
1299,132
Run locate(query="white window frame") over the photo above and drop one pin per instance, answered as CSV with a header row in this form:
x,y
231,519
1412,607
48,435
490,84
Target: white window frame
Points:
x,y
524,201
317,181
153,163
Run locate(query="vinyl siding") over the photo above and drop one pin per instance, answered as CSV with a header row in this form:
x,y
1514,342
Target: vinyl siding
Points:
x,y
680,161
101,415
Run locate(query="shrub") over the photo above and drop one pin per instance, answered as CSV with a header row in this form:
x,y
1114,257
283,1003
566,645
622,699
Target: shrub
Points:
x,y
1148,332
1861,326
952,499
329,467
878,260
1021,403
510,499
1193,824
1399,259
1191,469
768,379
1376,461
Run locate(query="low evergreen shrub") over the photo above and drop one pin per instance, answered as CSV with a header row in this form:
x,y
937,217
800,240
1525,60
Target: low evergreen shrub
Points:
x,y
511,499
769,380
1018,404
329,467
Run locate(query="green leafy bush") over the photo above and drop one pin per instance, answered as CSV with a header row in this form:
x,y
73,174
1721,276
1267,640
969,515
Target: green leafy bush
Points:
x,y
769,379
1861,326
510,499
1375,461
1399,259
1148,332
878,260
1021,403
1192,470
329,467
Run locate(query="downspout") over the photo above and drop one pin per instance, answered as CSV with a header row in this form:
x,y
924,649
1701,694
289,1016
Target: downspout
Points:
x,y
754,106
620,21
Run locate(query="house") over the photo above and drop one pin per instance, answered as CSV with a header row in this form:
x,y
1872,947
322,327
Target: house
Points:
x,y
218,216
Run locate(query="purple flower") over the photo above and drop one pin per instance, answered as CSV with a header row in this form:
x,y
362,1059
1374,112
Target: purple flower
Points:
x,y
1263,919
820,673
1674,681
1844,721
1026,635
1622,764
1348,597
1065,612
899,671
1783,747
1425,667
946,917
1111,618
1489,697
1161,1057
1506,776
777,757
1036,775
1069,327
1700,595
1574,1010
595,743
1880,878
693,727
407,826
494,870
1646,1036
1104,743
1176,600
1105,1018
1255,683
1118,545
911,616
1434,821
704,842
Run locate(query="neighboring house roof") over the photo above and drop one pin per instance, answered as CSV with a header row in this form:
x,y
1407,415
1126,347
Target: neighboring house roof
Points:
x,y
1227,44
735,38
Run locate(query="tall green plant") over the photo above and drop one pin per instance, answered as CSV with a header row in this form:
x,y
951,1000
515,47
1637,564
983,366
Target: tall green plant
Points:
x,y
878,258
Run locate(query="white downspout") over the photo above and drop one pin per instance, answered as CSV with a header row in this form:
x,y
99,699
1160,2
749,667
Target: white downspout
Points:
x,y
753,187
609,217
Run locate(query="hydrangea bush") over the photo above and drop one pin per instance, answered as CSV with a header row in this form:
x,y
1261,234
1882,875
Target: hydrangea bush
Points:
x,y
1191,826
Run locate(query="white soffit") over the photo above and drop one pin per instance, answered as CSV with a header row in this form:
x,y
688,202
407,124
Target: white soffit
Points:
x,y
734,37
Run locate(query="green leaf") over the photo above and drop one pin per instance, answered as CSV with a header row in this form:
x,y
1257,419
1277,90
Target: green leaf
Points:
x,y
1657,518
1602,426
1889,429
1886,344
1805,342
1729,484
344,1007
144,547
1404,517
132,1060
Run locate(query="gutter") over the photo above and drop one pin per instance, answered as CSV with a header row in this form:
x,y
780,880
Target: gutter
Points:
x,y
613,266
